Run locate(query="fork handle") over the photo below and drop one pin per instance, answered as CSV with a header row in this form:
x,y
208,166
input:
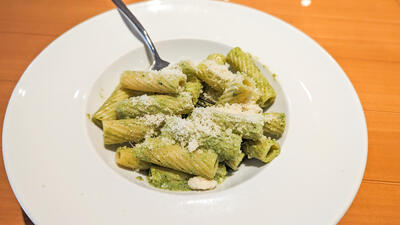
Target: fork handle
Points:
x,y
143,33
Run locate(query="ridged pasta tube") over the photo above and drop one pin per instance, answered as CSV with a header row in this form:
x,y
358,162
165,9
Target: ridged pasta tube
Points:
x,y
274,125
194,87
168,81
193,84
133,130
248,126
188,68
164,152
221,173
153,104
108,110
165,178
215,75
244,120
234,163
243,62
226,145
240,90
126,157
265,149
121,131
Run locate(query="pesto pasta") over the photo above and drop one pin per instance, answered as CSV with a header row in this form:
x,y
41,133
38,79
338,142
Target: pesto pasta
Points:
x,y
108,110
121,131
126,157
194,87
169,179
154,81
163,152
131,130
226,145
274,124
215,75
232,117
234,163
241,90
264,149
153,104
221,173
244,63
188,126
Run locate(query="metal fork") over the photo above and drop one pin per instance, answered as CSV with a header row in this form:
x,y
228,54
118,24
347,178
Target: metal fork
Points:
x,y
158,63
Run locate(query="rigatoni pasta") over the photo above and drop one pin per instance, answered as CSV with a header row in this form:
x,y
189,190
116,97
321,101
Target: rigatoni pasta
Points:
x,y
242,122
234,163
189,125
274,124
215,75
153,104
169,179
240,90
244,63
121,131
131,130
126,157
226,145
163,152
194,87
264,149
154,81
108,110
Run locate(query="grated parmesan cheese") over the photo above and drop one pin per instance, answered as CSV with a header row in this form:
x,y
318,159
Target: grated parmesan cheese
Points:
x,y
269,118
222,70
143,99
193,145
169,72
235,112
245,109
188,132
154,120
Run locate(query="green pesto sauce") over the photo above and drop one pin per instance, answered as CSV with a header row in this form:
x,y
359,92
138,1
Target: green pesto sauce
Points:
x,y
220,176
139,178
171,185
223,150
88,115
168,179
274,76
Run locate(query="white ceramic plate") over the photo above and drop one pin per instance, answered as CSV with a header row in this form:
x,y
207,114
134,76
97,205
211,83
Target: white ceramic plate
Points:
x,y
61,173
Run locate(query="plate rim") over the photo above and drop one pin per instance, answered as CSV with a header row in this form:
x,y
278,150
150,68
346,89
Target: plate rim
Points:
x,y
147,3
